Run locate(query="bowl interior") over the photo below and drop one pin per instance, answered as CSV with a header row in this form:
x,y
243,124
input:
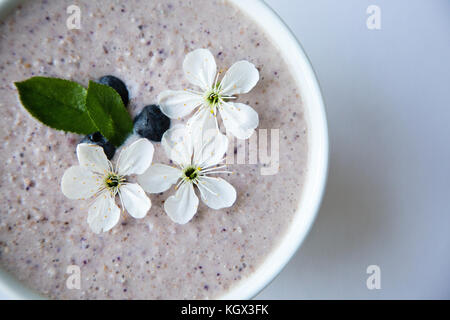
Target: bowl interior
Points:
x,y
312,192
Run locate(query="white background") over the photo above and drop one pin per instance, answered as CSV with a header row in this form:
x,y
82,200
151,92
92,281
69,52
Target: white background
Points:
x,y
387,201
387,95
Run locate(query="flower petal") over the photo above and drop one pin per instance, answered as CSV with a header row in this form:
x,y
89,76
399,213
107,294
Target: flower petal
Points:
x,y
240,78
80,183
209,143
177,104
200,68
240,119
216,192
135,158
103,214
177,144
93,158
213,151
135,200
159,177
182,206
202,121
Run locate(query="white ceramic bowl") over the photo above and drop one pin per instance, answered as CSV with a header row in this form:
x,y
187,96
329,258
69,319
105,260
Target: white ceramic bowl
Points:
x,y
293,54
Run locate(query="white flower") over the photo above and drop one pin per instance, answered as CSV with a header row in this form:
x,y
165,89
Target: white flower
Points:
x,y
197,155
95,176
200,70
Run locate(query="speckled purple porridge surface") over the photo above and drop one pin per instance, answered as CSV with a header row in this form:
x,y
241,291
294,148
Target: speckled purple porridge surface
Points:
x,y
144,44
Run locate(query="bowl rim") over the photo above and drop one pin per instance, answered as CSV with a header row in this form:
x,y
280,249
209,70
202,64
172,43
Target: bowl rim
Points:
x,y
318,156
317,168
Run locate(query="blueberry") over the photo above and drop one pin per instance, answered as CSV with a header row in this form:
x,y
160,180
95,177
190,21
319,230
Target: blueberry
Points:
x,y
99,140
151,123
117,85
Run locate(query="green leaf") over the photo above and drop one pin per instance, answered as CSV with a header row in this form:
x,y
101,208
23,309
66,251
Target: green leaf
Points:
x,y
57,103
108,112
